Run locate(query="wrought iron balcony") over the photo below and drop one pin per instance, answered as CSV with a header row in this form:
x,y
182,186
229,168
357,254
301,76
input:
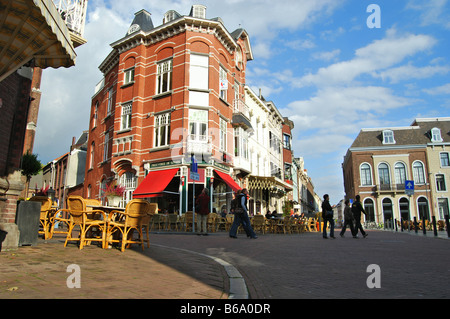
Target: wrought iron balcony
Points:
x,y
199,144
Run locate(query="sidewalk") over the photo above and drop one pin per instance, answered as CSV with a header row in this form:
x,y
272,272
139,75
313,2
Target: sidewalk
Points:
x,y
41,272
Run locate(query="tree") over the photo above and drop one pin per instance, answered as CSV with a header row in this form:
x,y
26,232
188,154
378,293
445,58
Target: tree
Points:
x,y
30,166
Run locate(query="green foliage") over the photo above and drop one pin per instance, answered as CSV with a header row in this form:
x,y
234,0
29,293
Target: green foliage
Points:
x,y
30,165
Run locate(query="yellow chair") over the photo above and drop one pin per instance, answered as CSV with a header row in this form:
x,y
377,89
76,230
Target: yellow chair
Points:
x,y
259,223
79,216
136,213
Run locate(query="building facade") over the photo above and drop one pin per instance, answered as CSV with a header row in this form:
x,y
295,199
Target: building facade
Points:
x,y
381,161
168,93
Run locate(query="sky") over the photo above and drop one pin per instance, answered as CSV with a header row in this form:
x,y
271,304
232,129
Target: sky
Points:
x,y
333,67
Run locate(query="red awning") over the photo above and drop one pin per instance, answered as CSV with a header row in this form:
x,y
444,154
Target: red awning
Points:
x,y
154,183
228,180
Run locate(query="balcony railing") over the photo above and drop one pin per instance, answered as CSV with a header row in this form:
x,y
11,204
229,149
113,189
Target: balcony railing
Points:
x,y
239,106
199,144
385,188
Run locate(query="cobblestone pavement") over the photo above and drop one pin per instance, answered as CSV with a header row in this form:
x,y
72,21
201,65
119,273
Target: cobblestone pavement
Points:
x,y
273,267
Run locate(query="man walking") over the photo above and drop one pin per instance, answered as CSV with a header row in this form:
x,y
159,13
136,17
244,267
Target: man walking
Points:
x,y
327,215
241,216
348,220
356,210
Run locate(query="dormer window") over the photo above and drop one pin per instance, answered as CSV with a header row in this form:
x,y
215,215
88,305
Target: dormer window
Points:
x,y
198,11
388,137
436,135
170,16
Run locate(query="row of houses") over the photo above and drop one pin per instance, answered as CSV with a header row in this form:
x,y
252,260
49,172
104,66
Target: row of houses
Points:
x,y
177,91
380,161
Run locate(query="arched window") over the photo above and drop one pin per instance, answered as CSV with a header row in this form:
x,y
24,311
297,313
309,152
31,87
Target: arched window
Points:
x,y
383,175
387,212
404,208
418,173
400,173
369,208
436,135
366,176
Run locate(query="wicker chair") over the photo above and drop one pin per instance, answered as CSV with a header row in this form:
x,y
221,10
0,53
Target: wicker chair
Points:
x,y
259,223
79,216
172,222
47,215
135,215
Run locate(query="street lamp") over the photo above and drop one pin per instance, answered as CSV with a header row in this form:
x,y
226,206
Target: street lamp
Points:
x,y
51,194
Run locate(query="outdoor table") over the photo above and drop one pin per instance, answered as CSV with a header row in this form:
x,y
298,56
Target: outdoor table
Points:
x,y
108,210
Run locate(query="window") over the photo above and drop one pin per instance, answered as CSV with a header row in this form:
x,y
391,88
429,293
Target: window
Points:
x,y
129,76
223,83
419,173
126,117
388,137
106,147
91,157
223,135
198,73
94,119
445,162
128,180
198,11
400,173
287,171
240,142
287,141
162,130
110,101
436,135
366,176
443,207
164,77
198,125
440,183
383,172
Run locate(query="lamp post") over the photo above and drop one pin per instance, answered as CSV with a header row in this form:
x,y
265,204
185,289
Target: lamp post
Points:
x,y
51,194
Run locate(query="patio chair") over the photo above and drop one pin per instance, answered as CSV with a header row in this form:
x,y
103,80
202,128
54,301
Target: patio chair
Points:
x,y
79,216
259,223
136,213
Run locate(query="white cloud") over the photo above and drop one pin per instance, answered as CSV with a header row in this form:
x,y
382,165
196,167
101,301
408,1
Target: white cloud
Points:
x,y
326,56
408,72
443,89
378,55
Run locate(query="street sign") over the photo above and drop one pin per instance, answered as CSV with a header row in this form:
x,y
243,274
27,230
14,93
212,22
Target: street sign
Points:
x,y
194,175
409,187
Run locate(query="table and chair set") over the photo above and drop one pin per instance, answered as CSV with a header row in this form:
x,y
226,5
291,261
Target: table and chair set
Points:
x,y
86,221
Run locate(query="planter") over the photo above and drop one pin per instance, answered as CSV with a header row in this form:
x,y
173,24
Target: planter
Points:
x,y
27,220
114,201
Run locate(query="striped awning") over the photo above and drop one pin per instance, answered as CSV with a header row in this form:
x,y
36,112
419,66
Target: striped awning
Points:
x,y
33,29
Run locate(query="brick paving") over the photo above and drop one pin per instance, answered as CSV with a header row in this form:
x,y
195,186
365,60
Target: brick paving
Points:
x,y
273,266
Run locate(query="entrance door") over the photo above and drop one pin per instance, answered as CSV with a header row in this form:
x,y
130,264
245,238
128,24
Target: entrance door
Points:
x,y
404,209
387,212
423,208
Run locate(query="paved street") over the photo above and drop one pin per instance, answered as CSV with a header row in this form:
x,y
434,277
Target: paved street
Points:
x,y
179,266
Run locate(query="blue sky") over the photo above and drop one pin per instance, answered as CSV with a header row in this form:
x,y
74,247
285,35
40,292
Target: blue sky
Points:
x,y
318,61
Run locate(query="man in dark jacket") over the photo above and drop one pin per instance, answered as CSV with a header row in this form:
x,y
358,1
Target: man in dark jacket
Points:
x,y
348,220
357,209
327,215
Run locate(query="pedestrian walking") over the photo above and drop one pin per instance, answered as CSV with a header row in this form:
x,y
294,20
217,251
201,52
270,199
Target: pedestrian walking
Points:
x,y
202,203
241,215
357,209
348,220
327,215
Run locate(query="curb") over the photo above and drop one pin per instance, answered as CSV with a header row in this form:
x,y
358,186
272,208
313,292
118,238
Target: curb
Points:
x,y
238,287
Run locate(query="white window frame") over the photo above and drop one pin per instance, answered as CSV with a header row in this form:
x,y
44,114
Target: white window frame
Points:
x,y
162,130
366,180
419,177
223,83
443,160
198,125
110,100
199,72
164,76
388,137
106,147
400,173
223,135
128,76
436,135
126,116
441,185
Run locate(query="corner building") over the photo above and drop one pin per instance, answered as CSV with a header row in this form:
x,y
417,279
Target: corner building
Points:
x,y
168,93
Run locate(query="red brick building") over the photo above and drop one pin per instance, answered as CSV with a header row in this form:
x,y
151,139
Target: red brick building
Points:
x,y
169,92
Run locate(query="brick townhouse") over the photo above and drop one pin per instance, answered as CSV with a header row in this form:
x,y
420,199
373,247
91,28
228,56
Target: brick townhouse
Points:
x,y
381,160
168,92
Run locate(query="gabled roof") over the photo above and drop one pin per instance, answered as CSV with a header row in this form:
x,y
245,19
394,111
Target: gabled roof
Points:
x,y
419,133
